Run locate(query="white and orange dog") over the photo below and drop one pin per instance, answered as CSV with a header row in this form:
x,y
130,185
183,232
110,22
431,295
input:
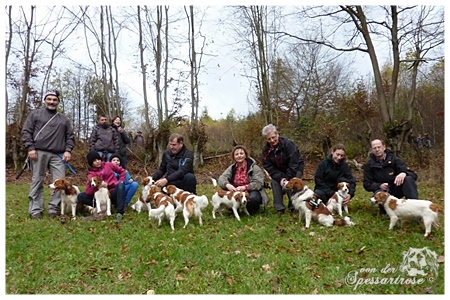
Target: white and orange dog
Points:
x,y
311,207
69,194
163,206
143,203
408,208
187,202
336,202
233,200
102,196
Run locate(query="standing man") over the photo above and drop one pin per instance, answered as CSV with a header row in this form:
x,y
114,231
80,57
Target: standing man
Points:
x,y
281,158
177,165
386,172
104,139
49,138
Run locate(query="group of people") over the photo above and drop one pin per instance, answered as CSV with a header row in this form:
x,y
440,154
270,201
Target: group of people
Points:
x,y
49,138
384,171
421,141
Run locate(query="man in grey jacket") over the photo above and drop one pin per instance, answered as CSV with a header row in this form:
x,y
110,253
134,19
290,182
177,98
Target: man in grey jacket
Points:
x,y
104,139
49,138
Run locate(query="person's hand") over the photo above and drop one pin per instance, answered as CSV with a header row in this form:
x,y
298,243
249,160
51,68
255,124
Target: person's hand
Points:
x,y
241,188
161,182
230,187
120,129
104,184
66,156
346,199
400,178
384,187
130,180
283,182
32,154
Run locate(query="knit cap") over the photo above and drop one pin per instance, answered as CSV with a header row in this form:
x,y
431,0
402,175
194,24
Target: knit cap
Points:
x,y
53,93
91,156
116,155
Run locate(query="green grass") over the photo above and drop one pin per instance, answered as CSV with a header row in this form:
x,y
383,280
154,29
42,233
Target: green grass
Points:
x,y
262,254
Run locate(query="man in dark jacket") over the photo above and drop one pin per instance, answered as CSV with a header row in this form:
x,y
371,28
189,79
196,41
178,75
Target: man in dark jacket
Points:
x,y
386,172
104,138
49,138
177,165
283,161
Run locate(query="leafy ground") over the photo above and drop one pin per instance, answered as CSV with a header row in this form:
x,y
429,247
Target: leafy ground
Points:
x,y
262,254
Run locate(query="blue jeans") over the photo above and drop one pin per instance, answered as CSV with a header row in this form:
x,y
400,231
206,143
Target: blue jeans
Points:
x,y
117,198
130,190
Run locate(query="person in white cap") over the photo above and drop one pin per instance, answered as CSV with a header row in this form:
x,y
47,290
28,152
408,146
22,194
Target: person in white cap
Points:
x,y
49,138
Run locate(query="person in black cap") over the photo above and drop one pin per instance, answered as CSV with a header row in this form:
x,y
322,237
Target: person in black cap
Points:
x,y
106,170
49,138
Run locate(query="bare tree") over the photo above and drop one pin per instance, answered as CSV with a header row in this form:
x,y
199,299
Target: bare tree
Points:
x,y
389,27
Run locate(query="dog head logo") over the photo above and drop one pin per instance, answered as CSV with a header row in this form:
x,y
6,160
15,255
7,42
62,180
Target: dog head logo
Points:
x,y
419,261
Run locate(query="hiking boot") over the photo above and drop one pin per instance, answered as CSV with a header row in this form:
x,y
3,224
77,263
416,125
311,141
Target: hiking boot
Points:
x,y
52,215
36,216
119,218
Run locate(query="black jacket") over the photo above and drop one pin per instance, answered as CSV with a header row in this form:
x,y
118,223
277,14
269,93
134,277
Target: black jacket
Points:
x,y
376,173
285,161
123,140
175,166
329,174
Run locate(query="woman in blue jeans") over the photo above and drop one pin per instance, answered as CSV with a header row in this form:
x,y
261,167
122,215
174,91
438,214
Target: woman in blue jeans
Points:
x,y
131,186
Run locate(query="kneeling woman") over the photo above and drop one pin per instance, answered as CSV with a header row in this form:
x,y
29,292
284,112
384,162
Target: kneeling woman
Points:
x,y
244,175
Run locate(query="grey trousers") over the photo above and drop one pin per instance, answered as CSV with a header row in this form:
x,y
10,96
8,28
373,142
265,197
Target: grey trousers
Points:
x,y
278,192
55,165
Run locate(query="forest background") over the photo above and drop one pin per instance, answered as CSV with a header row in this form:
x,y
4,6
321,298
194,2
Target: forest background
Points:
x,y
300,64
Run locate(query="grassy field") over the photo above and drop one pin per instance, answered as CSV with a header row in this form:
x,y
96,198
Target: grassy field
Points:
x,y
262,254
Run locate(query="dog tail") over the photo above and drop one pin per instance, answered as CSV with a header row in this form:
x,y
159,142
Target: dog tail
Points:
x,y
157,211
436,208
343,222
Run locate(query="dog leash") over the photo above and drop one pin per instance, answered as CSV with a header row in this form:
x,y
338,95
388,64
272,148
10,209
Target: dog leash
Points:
x,y
67,165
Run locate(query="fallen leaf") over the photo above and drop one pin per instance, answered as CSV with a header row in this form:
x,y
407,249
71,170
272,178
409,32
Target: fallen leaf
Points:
x,y
440,259
179,277
150,292
315,292
229,281
266,267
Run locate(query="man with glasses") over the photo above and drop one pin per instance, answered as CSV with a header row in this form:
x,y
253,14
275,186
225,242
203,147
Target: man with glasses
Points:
x,y
177,166
281,158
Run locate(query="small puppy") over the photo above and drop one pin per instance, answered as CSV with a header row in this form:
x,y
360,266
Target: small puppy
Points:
x,y
233,200
69,194
408,208
164,207
143,202
102,196
187,202
335,204
310,206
